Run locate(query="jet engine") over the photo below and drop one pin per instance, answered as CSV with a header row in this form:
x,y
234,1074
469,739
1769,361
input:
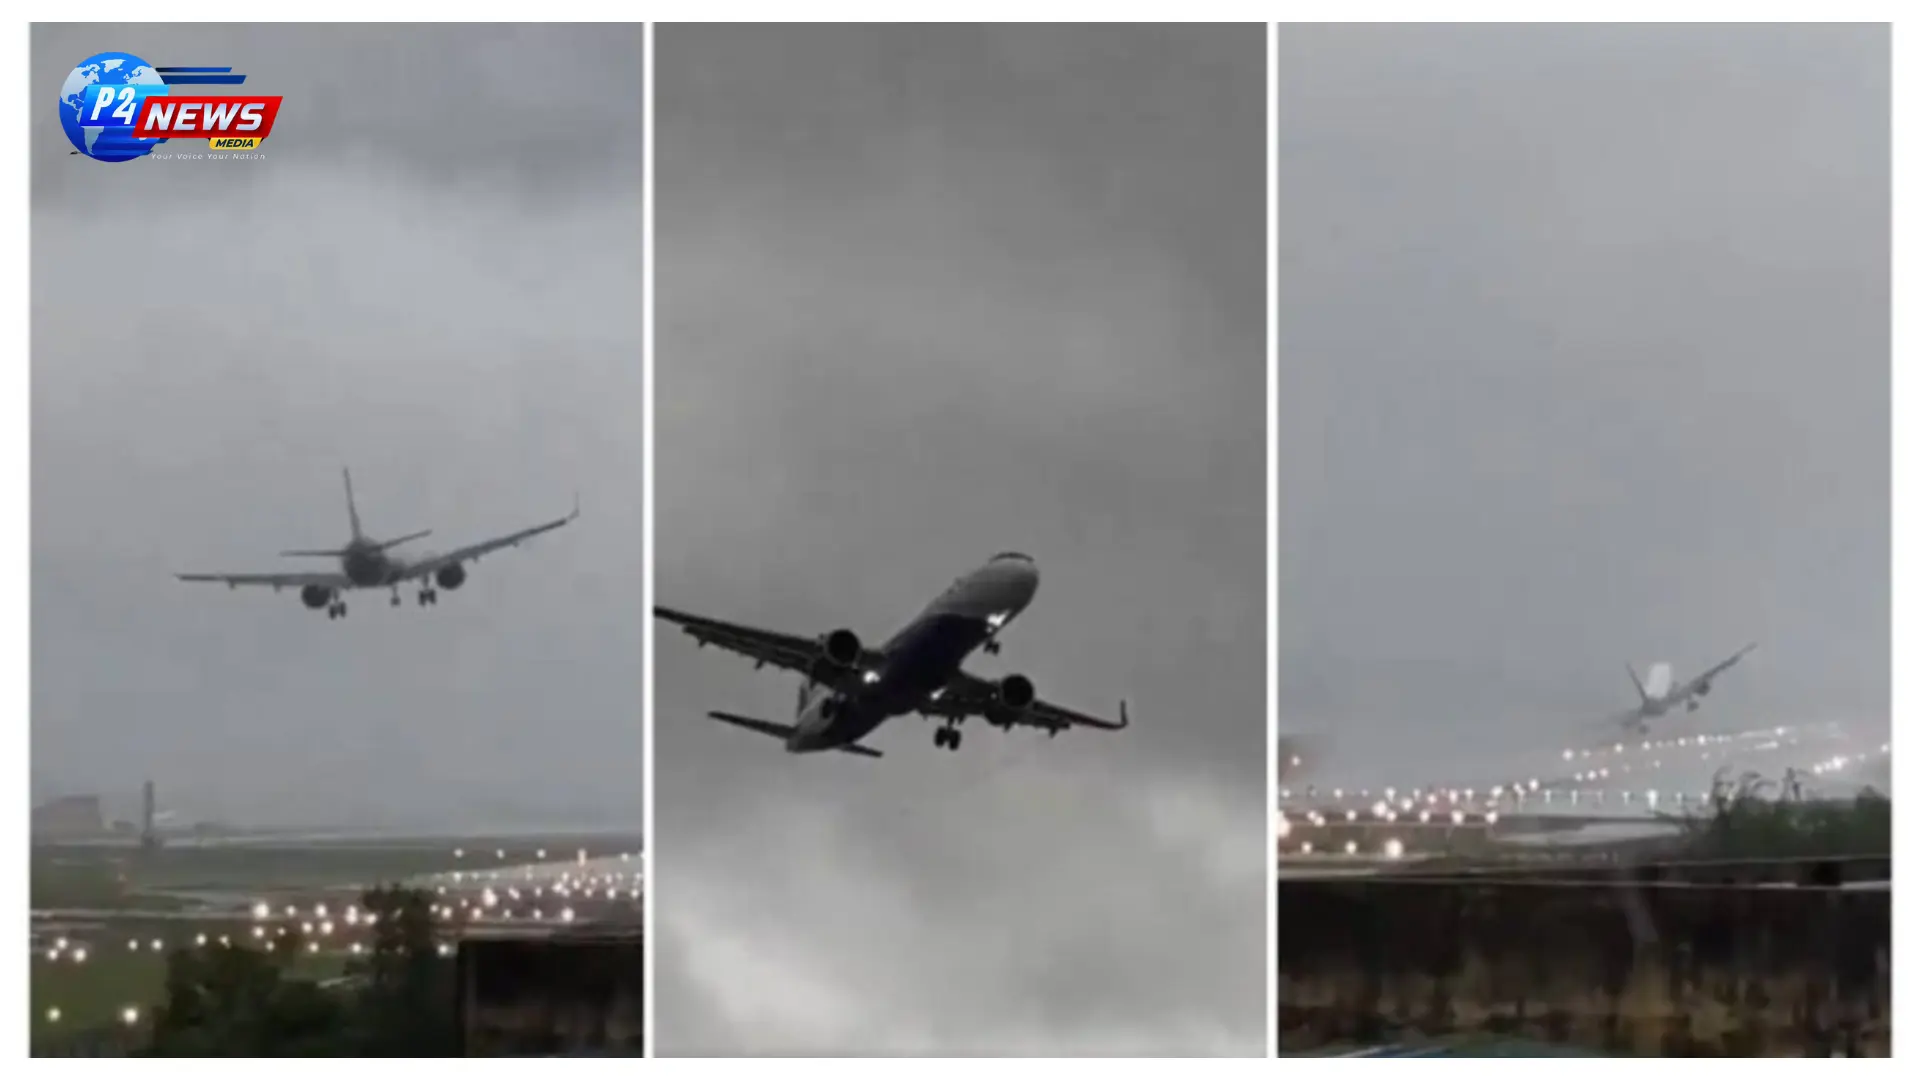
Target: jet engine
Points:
x,y
1016,691
450,576
1705,688
841,648
316,596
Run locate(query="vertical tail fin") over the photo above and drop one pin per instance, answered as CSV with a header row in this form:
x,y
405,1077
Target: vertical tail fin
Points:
x,y
353,513
1638,688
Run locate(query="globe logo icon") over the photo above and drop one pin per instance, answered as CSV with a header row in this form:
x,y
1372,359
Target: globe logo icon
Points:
x,y
100,101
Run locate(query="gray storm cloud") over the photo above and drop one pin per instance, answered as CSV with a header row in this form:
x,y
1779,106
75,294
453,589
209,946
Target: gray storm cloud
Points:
x,y
1583,339
925,295
456,318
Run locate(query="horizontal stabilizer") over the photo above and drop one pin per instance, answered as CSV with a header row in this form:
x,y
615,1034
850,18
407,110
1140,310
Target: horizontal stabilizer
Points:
x,y
385,544
783,731
334,554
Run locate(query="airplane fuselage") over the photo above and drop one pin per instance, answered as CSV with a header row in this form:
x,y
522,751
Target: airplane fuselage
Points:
x,y
367,566
916,663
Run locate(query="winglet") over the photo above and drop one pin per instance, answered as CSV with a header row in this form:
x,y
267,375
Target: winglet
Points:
x,y
576,506
1123,716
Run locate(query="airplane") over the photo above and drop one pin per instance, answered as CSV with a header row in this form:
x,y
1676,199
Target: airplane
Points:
x,y
1659,695
366,563
847,689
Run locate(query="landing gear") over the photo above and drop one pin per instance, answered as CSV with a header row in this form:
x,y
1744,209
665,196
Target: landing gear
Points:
x,y
991,647
428,595
395,602
947,737
337,609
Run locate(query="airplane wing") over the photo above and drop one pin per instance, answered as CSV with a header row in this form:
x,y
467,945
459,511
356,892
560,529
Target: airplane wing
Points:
x,y
325,580
789,652
1698,681
472,552
969,695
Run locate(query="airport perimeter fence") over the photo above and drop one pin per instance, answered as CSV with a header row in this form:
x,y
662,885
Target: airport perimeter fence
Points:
x,y
1573,867
1625,967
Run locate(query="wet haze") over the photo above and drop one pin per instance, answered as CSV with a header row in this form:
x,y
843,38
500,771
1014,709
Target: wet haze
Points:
x,y
1584,359
430,272
927,295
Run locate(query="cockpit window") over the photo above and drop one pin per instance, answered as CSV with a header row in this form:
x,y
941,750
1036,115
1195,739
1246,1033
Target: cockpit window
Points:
x,y
1013,555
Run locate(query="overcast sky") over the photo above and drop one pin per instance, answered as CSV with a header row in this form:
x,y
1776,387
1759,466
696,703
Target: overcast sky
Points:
x,y
1583,340
430,272
926,295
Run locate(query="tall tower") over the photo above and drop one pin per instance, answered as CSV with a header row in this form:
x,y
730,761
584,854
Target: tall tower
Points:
x,y
148,837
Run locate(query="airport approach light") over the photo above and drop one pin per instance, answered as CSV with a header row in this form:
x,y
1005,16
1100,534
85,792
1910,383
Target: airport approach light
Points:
x,y
80,956
200,940
1459,817
1493,818
566,915
1306,847
1352,848
133,945
459,853
130,1015
1351,816
62,944
53,955
1393,849
53,1015
259,932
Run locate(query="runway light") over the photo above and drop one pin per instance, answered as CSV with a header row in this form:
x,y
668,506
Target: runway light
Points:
x,y
566,915
80,955
1493,818
53,1015
1352,816
62,944
1352,848
459,853
200,940
1566,755
1459,817
1393,849
1306,847
130,1016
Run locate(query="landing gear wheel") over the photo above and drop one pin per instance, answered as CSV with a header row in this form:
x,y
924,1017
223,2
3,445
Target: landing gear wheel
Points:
x,y
395,602
953,739
991,647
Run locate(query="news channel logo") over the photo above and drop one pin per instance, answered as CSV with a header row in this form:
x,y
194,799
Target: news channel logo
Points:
x,y
105,97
